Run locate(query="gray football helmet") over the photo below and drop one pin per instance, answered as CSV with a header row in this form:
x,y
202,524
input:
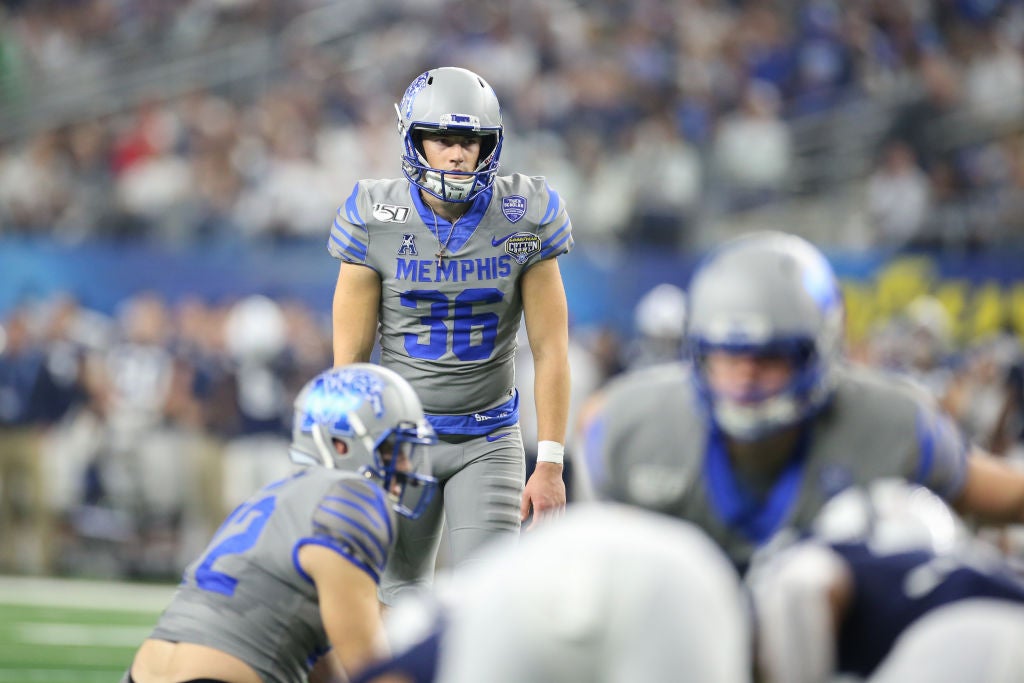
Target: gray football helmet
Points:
x,y
767,293
459,101
379,418
892,516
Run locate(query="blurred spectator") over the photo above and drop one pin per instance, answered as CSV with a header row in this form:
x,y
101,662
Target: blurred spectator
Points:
x,y
667,180
659,323
752,148
22,374
897,197
994,78
260,382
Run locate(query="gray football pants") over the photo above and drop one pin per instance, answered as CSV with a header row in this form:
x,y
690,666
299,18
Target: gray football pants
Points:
x,y
480,490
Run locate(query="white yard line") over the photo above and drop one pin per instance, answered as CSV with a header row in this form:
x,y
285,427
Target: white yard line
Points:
x,y
79,634
16,590
56,676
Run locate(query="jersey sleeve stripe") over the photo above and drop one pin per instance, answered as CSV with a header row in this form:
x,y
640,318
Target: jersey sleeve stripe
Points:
x,y
359,526
377,499
347,242
554,201
557,247
338,548
926,447
355,506
352,208
557,233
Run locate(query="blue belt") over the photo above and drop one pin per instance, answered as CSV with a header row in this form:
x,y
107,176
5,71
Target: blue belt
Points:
x,y
477,424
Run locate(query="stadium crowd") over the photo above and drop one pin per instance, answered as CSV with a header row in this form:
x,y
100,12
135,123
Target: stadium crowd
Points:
x,y
149,425
653,119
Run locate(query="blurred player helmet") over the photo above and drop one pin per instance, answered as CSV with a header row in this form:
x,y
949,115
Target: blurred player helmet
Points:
x,y
767,294
661,312
379,418
452,100
891,515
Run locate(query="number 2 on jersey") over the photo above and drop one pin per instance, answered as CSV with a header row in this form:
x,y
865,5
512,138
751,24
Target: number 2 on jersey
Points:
x,y
255,516
464,321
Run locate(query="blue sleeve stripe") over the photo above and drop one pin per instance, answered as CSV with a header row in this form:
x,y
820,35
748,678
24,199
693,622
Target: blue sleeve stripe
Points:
x,y
593,456
552,209
926,446
355,506
352,208
555,234
350,249
556,247
378,501
344,552
350,244
381,550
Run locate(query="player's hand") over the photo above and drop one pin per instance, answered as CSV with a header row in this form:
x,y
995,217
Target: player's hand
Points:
x,y
544,493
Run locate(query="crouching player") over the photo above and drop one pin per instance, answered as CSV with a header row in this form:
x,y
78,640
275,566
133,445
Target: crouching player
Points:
x,y
287,587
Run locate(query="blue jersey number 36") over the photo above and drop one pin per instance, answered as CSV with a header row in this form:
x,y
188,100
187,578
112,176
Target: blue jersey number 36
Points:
x,y
463,322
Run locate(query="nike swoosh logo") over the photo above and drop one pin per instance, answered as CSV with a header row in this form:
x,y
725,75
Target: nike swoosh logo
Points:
x,y
491,437
497,242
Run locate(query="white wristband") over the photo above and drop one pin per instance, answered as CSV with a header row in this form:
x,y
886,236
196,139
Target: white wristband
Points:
x,y
550,451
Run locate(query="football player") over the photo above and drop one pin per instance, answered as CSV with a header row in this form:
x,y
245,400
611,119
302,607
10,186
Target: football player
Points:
x,y
880,563
768,421
446,261
606,594
293,571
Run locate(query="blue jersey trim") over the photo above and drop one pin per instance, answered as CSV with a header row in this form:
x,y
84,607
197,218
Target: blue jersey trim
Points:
x,y
925,430
362,527
546,244
478,424
378,501
327,543
593,450
552,208
737,507
354,506
464,226
352,248
352,208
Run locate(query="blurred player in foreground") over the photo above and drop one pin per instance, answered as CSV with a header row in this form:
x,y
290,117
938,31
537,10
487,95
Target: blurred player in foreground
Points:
x,y
294,570
865,595
607,594
768,421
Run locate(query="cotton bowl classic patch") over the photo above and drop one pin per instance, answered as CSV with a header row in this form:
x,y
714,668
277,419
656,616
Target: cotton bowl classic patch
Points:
x,y
522,246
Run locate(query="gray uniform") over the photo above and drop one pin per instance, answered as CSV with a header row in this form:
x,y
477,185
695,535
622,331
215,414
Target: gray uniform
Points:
x,y
246,594
652,445
450,330
603,595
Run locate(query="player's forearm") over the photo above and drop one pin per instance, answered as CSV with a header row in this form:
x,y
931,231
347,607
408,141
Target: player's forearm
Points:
x,y
353,334
551,389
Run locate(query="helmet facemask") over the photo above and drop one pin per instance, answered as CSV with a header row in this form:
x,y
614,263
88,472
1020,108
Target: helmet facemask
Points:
x,y
400,468
375,414
459,102
756,414
766,294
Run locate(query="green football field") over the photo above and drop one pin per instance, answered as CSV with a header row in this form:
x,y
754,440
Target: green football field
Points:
x,y
57,631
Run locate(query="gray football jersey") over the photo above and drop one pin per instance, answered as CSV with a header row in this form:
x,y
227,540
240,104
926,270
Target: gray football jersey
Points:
x,y
246,594
652,445
450,328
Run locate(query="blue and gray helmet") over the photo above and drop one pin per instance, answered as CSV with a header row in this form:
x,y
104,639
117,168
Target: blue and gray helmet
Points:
x,y
451,100
767,293
376,414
